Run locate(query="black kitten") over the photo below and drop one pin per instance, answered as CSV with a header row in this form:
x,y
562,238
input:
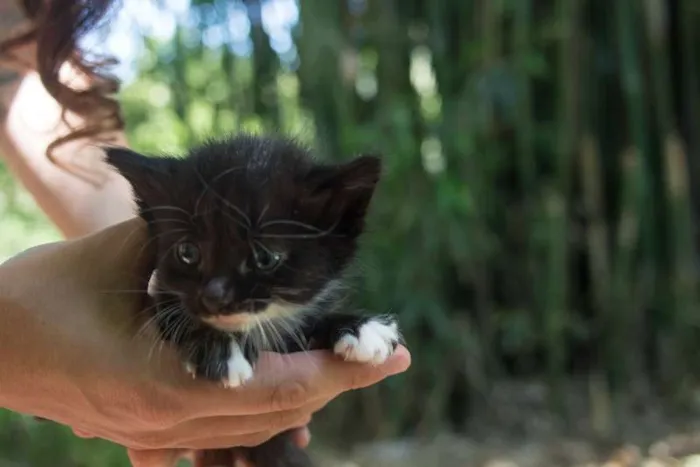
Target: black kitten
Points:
x,y
253,237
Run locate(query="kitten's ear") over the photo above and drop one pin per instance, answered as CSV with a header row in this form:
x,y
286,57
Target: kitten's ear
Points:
x,y
347,189
145,174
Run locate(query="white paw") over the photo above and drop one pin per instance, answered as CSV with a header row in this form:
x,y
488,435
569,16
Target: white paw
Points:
x,y
239,368
191,370
374,343
152,288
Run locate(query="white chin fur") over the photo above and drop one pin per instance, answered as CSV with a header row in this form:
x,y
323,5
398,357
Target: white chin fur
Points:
x,y
244,321
374,343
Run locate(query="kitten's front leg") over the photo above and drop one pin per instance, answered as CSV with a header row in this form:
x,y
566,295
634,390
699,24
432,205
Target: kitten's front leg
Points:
x,y
214,355
239,364
357,338
222,358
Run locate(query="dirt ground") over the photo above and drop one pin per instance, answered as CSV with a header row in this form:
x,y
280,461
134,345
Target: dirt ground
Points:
x,y
523,431
452,451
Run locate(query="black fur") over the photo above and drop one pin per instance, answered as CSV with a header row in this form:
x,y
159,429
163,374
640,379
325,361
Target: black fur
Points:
x,y
220,217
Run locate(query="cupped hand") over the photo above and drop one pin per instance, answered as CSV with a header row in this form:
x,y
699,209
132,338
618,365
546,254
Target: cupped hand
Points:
x,y
77,350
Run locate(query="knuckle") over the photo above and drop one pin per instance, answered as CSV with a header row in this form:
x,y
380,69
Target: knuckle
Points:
x,y
149,441
282,420
290,395
361,379
150,416
160,409
290,420
301,421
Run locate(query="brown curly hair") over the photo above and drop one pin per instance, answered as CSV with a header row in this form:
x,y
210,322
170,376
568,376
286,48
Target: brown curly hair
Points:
x,y
57,26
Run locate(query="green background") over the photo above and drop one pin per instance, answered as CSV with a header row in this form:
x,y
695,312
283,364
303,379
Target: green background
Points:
x,y
536,224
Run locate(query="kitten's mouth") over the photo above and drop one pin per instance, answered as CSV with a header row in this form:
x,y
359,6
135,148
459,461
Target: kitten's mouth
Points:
x,y
232,322
242,321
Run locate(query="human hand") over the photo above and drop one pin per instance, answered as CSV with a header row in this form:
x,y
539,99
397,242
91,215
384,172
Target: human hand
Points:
x,y
77,351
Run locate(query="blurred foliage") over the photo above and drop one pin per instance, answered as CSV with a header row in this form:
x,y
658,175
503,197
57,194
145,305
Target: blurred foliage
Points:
x,y
23,225
539,213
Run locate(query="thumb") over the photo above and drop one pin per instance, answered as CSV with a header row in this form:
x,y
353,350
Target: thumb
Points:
x,y
123,247
325,373
291,381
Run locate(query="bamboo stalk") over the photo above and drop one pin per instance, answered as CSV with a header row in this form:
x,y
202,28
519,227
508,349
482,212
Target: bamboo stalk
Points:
x,y
319,44
522,46
265,69
686,94
667,225
556,307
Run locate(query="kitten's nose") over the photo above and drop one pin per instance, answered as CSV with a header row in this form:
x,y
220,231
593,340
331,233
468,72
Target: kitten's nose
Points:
x,y
217,295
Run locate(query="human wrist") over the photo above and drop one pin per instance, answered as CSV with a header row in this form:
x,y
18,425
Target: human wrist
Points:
x,y
28,370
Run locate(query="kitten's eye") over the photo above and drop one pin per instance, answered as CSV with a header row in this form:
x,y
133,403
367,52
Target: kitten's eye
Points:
x,y
266,260
188,253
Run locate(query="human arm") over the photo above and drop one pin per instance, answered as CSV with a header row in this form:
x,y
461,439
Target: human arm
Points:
x,y
75,189
75,350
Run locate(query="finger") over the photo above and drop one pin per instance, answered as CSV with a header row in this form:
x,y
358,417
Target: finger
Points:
x,y
221,432
302,437
285,382
82,434
223,442
202,431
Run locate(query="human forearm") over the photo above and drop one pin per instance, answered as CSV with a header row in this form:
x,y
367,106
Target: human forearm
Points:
x,y
74,189
76,204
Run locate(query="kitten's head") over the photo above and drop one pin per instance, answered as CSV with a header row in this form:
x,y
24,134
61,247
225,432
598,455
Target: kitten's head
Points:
x,y
249,227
